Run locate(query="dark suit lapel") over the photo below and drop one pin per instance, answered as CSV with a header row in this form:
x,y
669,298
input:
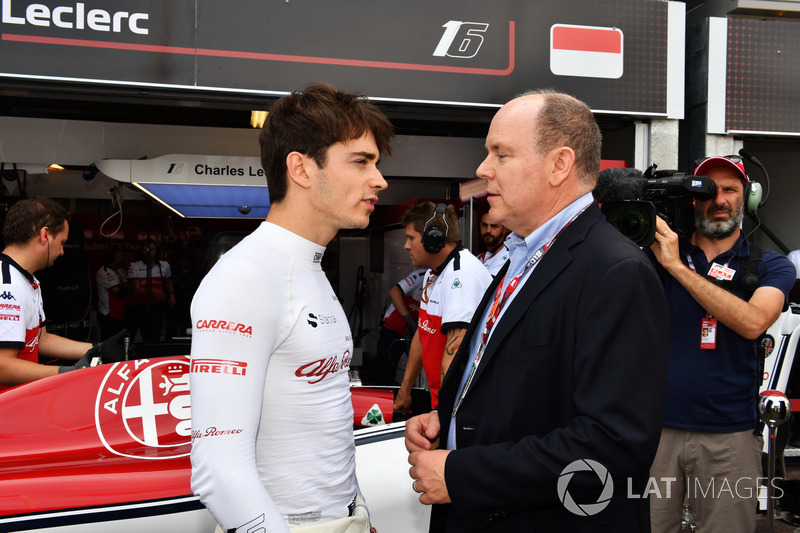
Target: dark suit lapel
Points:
x,y
557,258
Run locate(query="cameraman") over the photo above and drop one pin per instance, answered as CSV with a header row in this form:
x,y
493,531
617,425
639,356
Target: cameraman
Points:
x,y
708,450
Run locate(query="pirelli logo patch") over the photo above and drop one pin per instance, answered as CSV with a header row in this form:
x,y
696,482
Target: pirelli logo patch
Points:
x,y
219,366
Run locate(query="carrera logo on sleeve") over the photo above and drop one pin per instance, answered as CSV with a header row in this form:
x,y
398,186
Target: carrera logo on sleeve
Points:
x,y
225,326
9,307
219,366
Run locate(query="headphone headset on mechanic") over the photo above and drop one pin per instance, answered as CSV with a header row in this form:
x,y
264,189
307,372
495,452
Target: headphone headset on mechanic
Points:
x,y
754,198
433,236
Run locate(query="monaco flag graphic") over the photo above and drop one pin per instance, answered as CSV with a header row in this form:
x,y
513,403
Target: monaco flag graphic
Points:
x,y
586,51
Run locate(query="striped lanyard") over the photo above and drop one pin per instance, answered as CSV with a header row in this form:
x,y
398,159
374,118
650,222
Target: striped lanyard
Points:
x,y
500,299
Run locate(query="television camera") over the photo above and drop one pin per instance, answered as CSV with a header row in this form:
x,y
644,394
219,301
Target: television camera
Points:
x,y
631,200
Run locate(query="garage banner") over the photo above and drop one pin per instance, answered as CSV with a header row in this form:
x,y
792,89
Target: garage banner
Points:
x,y
616,54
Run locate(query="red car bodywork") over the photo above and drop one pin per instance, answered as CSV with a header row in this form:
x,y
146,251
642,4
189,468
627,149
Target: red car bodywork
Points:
x,y
108,435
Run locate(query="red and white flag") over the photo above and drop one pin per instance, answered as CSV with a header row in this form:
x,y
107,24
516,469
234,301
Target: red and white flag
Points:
x,y
586,51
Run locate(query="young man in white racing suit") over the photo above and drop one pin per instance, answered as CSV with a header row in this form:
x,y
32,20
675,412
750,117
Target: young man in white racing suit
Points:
x,y
272,418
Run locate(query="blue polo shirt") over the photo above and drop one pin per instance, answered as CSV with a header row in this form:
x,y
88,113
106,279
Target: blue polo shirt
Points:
x,y
714,390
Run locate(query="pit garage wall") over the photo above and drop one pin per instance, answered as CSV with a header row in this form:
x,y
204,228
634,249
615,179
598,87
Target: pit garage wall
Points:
x,y
753,101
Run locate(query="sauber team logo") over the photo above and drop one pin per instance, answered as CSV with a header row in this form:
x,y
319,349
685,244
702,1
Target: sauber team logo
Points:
x,y
318,370
143,409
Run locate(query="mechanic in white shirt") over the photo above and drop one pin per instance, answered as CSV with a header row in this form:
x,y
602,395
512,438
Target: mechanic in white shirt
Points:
x,y
272,419
493,236
451,291
794,257
34,232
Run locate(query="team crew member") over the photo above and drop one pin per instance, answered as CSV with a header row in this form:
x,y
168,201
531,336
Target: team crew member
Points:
x,y
271,345
110,294
152,290
496,253
452,288
715,323
399,322
35,231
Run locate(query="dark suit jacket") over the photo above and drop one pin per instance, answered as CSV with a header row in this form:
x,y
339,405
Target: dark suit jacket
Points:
x,y
575,369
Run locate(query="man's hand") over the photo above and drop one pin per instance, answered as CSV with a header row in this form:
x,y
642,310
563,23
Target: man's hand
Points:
x,y
422,432
112,350
411,323
427,471
665,246
83,362
402,401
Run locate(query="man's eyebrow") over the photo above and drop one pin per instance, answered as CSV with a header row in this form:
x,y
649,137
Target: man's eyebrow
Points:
x,y
365,155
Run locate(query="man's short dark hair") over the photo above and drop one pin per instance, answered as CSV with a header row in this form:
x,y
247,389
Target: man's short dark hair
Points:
x,y
27,217
420,215
312,120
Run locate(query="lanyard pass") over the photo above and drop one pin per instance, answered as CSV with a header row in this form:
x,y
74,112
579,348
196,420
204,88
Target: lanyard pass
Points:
x,y
708,333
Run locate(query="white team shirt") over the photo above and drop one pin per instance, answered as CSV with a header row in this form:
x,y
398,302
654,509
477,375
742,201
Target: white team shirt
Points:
x,y
794,257
410,286
158,272
106,279
448,300
272,418
21,310
494,261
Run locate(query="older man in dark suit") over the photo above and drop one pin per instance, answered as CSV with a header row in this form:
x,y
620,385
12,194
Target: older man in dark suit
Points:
x,y
550,415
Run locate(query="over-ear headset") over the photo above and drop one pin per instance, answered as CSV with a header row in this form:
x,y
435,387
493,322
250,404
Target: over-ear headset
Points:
x,y
433,236
753,193
752,197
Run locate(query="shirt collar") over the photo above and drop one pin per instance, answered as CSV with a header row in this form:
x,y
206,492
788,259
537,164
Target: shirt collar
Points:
x,y
450,256
740,249
544,233
7,259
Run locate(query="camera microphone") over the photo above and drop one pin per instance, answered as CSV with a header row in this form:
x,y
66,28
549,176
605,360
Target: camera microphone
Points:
x,y
617,184
619,191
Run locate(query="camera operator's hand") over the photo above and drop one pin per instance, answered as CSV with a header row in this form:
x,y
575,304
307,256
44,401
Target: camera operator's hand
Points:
x,y
665,246
83,362
112,350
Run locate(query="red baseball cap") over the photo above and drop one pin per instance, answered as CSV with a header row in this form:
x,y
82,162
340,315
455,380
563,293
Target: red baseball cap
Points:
x,y
733,162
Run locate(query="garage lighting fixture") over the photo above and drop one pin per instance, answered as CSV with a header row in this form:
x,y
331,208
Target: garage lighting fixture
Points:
x,y
257,118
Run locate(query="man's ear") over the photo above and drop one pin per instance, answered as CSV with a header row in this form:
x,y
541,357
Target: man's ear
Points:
x,y
43,234
562,160
300,168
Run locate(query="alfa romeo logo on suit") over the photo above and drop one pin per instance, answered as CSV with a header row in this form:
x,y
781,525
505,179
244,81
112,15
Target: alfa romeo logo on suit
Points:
x,y
585,509
143,409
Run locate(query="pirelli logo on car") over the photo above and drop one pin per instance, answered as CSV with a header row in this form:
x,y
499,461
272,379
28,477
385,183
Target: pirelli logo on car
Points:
x,y
218,366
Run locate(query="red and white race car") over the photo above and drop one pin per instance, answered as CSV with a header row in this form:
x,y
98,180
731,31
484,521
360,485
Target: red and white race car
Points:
x,y
107,449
